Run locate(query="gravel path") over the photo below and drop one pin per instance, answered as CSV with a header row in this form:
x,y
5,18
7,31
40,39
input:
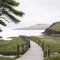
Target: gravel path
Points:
x,y
34,53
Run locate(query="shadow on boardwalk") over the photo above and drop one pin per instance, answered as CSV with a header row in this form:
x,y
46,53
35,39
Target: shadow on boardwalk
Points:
x,y
34,53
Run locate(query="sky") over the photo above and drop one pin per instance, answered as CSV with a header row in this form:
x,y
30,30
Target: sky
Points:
x,y
37,11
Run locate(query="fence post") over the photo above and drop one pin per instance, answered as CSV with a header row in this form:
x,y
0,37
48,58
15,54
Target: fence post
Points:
x,y
42,45
48,51
22,47
29,44
18,50
26,46
38,41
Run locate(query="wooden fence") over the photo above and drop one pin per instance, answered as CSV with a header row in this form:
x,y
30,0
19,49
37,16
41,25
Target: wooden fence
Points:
x,y
21,49
41,43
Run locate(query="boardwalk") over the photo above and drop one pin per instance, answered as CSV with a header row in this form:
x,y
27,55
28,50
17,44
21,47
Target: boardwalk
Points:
x,y
34,53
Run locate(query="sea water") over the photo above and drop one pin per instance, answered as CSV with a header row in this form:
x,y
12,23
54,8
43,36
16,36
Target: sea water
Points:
x,y
13,33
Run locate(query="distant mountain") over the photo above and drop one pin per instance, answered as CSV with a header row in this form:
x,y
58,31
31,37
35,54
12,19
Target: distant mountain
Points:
x,y
35,27
53,29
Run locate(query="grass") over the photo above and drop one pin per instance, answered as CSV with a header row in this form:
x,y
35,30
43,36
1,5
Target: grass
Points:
x,y
54,57
5,58
10,47
53,42
56,26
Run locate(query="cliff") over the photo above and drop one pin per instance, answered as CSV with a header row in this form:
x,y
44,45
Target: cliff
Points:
x,y
53,29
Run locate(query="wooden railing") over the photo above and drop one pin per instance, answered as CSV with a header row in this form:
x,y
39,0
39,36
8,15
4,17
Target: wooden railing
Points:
x,y
21,49
41,43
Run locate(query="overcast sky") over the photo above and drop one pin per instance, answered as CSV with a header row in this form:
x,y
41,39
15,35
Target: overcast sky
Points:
x,y
38,11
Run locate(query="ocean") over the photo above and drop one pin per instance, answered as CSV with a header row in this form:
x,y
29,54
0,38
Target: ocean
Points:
x,y
14,33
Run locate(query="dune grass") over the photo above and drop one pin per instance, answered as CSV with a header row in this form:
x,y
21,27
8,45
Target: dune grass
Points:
x,y
5,58
10,47
53,42
53,57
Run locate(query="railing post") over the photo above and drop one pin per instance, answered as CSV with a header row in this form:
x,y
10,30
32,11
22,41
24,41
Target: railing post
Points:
x,y
48,51
22,47
18,53
26,46
42,45
29,44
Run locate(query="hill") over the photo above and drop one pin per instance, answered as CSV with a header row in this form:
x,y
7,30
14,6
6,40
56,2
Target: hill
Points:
x,y
53,29
35,27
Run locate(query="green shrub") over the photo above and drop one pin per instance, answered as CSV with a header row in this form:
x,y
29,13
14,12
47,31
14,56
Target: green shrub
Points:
x,y
10,47
5,58
53,58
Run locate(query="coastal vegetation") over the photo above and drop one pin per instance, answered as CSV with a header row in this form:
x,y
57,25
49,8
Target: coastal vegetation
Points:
x,y
53,42
5,58
10,47
54,29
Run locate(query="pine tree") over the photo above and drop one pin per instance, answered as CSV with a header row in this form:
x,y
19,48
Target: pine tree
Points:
x,y
7,9
0,30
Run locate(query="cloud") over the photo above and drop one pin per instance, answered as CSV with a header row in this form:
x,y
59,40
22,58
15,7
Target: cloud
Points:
x,y
39,11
